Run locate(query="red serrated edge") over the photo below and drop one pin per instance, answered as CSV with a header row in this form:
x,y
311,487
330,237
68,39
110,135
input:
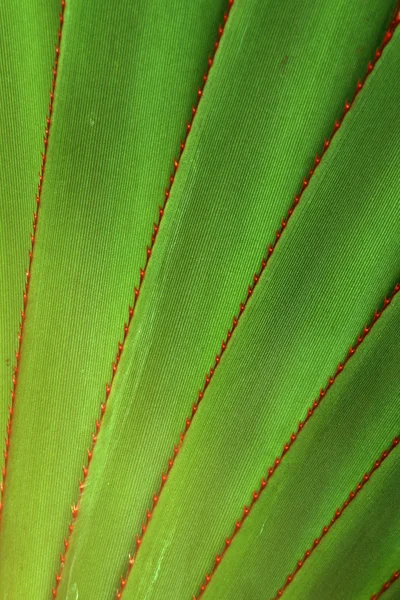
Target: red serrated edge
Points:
x,y
386,585
11,408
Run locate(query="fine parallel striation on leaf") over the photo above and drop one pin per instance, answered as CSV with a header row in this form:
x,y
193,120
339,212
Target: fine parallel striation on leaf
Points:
x,y
117,125
322,286
219,220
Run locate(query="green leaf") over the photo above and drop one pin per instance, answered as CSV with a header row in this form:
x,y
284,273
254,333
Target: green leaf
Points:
x,y
264,267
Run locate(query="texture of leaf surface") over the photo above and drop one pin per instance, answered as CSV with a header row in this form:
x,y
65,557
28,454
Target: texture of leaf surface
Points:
x,y
28,32
281,75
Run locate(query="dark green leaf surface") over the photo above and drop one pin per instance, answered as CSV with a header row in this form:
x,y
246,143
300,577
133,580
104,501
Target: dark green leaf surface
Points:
x,y
341,442
128,78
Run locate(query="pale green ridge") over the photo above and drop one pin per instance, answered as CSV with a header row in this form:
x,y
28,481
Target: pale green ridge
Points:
x,y
223,211
28,36
327,276
127,81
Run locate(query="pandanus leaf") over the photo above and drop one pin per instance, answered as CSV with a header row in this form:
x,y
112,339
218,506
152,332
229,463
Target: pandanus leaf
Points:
x,y
204,304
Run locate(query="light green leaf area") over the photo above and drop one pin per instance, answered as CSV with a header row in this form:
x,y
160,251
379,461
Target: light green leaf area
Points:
x,y
28,35
128,78
125,90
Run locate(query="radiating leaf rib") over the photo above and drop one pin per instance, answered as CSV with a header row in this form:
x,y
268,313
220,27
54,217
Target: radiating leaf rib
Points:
x,y
340,442
28,34
140,495
271,82
291,439
115,135
32,247
290,338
